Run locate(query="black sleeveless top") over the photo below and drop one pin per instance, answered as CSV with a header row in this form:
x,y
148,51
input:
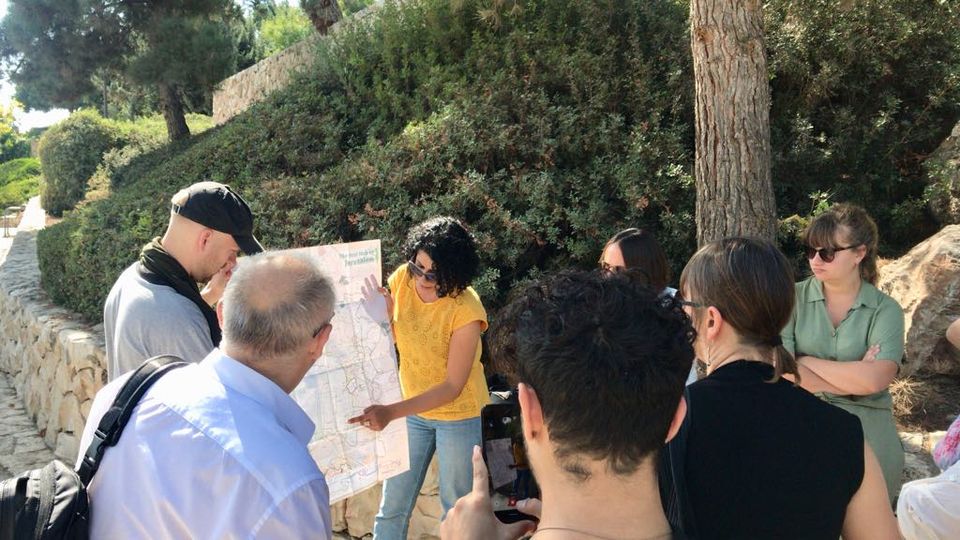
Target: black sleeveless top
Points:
x,y
760,460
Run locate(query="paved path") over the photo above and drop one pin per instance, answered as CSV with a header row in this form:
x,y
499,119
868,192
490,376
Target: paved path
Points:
x,y
21,447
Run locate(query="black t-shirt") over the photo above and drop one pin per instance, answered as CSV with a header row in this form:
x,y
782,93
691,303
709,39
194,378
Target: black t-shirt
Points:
x,y
760,460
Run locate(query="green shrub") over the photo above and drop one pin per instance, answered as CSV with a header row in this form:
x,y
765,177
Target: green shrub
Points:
x,y
19,180
862,93
546,132
69,153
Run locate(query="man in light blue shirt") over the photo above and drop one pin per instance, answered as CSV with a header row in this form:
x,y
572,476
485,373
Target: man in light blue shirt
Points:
x,y
219,449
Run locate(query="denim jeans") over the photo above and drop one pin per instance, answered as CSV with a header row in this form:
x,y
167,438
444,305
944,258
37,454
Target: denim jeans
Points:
x,y
453,441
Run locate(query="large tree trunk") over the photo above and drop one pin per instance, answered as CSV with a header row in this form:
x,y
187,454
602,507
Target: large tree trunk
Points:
x,y
734,190
322,13
173,112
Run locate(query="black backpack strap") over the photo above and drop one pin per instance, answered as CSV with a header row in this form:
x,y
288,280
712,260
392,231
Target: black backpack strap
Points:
x,y
115,419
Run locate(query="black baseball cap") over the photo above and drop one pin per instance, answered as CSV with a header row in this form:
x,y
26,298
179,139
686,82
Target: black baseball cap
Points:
x,y
215,205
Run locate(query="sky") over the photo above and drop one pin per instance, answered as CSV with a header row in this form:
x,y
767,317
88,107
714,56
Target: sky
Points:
x,y
27,120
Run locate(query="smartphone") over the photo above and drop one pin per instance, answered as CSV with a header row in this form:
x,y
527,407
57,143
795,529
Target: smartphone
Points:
x,y
510,476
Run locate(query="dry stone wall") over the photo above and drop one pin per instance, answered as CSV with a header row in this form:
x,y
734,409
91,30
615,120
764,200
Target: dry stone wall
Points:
x,y
55,360
238,92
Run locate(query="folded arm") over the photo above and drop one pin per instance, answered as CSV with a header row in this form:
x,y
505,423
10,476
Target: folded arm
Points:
x,y
859,378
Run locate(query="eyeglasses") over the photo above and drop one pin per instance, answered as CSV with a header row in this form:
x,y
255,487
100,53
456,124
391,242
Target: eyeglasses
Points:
x,y
318,330
687,303
430,276
826,254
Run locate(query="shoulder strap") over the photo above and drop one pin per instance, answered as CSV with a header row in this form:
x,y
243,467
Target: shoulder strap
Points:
x,y
115,419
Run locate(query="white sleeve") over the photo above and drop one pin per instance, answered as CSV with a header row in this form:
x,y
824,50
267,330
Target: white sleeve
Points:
x,y
304,513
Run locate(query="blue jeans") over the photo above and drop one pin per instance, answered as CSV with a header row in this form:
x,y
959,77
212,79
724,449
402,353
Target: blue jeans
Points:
x,y
454,441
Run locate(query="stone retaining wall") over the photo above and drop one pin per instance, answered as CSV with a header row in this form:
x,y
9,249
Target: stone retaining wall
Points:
x,y
58,363
238,92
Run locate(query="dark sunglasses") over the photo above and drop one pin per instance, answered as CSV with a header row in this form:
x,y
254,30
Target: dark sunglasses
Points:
x,y
430,276
826,254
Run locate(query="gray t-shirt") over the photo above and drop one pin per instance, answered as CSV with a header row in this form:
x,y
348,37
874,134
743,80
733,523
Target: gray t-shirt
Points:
x,y
142,320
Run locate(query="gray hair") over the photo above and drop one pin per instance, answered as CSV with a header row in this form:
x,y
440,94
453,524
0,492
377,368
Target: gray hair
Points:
x,y
275,302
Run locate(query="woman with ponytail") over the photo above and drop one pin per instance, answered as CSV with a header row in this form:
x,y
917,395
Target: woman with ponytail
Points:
x,y
756,456
847,335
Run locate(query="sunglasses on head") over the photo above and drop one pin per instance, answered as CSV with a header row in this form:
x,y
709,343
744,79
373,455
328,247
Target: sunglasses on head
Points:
x,y
430,276
827,254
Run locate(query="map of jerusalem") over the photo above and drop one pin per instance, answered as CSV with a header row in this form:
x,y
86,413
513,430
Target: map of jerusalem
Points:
x,y
358,368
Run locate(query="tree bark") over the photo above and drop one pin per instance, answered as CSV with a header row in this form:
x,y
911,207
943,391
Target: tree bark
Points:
x,y
322,13
734,189
173,112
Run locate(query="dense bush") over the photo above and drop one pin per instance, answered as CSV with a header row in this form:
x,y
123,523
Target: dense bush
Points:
x,y
19,180
862,93
546,129
69,153
74,149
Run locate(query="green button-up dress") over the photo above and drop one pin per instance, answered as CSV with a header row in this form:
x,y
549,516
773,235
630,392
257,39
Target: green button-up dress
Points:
x,y
874,318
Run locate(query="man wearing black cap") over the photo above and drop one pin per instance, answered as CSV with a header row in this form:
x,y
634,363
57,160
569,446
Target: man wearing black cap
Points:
x,y
155,307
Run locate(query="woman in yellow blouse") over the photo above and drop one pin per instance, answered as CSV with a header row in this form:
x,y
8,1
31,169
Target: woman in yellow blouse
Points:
x,y
437,321
846,334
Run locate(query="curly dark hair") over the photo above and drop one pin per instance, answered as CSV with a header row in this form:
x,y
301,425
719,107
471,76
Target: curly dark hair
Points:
x,y
452,248
608,359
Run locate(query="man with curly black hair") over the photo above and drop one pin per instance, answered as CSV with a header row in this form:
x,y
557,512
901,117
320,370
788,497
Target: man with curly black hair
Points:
x,y
601,364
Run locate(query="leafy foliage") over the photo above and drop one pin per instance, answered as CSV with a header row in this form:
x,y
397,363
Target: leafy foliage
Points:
x,y
69,153
12,144
53,49
286,26
74,150
862,93
19,180
546,125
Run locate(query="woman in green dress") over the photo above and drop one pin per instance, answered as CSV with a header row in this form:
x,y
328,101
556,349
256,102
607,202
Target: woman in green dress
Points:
x,y
847,336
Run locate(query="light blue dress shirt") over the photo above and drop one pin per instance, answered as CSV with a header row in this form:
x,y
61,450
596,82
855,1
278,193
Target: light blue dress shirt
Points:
x,y
214,450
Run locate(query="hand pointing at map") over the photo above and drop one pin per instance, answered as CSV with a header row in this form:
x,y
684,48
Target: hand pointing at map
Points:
x,y
375,417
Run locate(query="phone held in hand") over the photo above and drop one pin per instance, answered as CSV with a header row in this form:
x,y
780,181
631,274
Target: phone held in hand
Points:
x,y
511,478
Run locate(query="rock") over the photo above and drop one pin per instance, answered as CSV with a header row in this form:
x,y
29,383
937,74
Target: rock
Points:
x,y
917,460
425,521
361,509
68,446
70,420
338,519
926,283
84,385
943,177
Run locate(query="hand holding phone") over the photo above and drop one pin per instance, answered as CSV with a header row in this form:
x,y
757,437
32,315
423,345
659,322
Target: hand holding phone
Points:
x,y
472,517
511,479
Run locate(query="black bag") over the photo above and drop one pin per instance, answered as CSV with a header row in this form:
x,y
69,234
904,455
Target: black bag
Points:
x,y
51,503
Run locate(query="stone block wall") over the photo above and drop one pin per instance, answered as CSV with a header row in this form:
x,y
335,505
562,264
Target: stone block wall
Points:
x,y
58,364
56,361
238,92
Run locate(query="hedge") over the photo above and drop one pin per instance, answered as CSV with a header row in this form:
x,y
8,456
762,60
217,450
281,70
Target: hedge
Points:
x,y
69,153
19,180
546,133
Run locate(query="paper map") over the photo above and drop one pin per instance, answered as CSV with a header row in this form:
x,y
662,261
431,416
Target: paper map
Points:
x,y
358,368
